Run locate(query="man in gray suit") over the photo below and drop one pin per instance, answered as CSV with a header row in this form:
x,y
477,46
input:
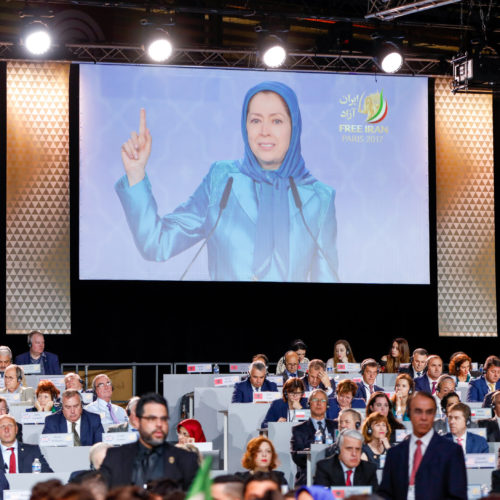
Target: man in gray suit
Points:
x,y
132,424
13,377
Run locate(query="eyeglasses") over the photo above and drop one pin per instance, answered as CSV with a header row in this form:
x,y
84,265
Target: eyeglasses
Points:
x,y
295,393
104,384
6,426
316,400
152,418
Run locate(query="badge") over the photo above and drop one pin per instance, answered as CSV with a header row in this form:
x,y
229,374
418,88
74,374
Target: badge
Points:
x,y
171,460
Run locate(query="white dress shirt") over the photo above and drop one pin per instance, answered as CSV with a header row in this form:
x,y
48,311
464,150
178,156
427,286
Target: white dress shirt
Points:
x,y
6,456
69,426
345,469
426,438
464,441
100,407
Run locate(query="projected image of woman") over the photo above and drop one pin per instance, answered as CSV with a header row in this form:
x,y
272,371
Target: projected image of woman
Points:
x,y
260,234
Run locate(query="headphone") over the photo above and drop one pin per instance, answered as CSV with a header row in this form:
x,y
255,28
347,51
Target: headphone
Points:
x,y
493,399
29,339
367,362
358,425
468,419
369,431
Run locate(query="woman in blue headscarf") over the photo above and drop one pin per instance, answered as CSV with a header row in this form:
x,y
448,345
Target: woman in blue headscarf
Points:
x,y
261,235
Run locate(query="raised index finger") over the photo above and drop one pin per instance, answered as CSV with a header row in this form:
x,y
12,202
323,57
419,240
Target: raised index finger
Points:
x,y
142,122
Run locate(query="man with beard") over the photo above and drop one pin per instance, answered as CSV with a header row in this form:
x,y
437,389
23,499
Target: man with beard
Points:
x,y
150,457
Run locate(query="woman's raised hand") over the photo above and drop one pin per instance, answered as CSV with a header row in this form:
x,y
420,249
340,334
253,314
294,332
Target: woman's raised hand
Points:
x,y
136,151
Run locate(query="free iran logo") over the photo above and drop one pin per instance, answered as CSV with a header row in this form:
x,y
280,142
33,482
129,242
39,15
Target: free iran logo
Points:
x,y
374,106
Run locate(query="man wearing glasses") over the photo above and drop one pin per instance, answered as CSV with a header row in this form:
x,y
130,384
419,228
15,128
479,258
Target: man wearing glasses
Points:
x,y
304,434
151,457
109,412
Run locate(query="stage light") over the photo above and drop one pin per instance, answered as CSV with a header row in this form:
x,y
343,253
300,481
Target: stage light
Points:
x,y
36,38
273,52
389,57
160,47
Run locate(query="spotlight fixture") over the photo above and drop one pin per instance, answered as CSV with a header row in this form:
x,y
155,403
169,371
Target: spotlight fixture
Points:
x,y
159,47
389,57
36,38
273,51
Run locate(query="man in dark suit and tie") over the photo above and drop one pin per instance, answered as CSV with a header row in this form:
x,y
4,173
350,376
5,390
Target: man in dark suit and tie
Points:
x,y
418,362
425,466
256,382
303,435
49,363
429,381
86,427
291,366
492,425
367,386
490,381
346,468
17,457
151,457
317,378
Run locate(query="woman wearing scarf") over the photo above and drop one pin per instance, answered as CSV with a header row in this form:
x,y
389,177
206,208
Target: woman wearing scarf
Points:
x,y
260,235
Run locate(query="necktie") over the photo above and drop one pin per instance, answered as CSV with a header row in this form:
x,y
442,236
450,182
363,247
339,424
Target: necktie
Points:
x,y
434,387
293,374
460,441
76,437
417,458
348,478
12,462
322,430
371,388
112,414
492,387
419,374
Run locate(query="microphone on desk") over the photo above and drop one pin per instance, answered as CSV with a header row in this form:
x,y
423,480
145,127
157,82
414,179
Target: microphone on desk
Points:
x,y
222,205
298,204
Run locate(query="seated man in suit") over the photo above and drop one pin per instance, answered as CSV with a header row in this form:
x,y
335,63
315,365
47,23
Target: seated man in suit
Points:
x,y
227,487
5,358
17,457
291,366
131,425
151,457
492,425
256,382
346,468
86,427
428,382
303,435
418,363
425,466
459,418
258,484
445,385
490,381
13,377
317,378
109,412
4,410
73,381
49,363
441,425
369,372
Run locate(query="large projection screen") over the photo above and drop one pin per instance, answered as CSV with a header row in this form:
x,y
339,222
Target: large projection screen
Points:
x,y
365,137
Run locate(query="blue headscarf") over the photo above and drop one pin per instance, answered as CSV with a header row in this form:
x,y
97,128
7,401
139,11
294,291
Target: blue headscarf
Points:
x,y
317,492
273,220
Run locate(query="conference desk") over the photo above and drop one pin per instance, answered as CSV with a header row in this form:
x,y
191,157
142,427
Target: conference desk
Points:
x,y
24,482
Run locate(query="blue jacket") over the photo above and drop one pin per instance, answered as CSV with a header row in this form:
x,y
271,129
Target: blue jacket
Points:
x,y
474,443
305,379
279,409
50,362
422,384
441,474
361,392
243,391
26,454
478,388
4,484
333,409
231,246
90,427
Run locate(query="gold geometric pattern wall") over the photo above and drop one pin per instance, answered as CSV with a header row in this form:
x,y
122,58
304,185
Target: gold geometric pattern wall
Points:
x,y
38,263
465,213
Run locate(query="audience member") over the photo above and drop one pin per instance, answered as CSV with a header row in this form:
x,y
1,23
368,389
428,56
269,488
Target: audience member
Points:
x,y
5,358
428,382
426,465
398,354
109,412
151,457
347,468
227,487
342,353
346,389
43,489
495,477
300,348
445,385
71,492
489,382
349,419
260,456
459,368
376,433
49,363
292,366
492,425
4,410
369,372
258,484
97,454
303,435
317,378
441,425
47,395
14,377
379,401
192,448
94,481
312,493
262,358
131,424
256,382
417,365
189,430
403,389
459,418
73,381
283,409
17,457
129,493
85,426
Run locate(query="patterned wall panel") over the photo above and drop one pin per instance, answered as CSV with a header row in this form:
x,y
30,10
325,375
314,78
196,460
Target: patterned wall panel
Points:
x,y
465,213
38,266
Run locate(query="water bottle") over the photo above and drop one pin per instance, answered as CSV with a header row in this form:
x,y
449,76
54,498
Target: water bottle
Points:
x,y
216,369
329,439
329,369
36,466
318,437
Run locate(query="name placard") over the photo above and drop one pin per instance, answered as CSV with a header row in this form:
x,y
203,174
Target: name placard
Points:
x,y
382,461
480,431
300,415
348,367
265,396
479,413
303,367
12,397
58,439
87,397
119,438
480,460
349,491
474,491
31,369
34,417
201,368
208,446
16,494
226,381
238,367
277,379
401,434
2,383
57,380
